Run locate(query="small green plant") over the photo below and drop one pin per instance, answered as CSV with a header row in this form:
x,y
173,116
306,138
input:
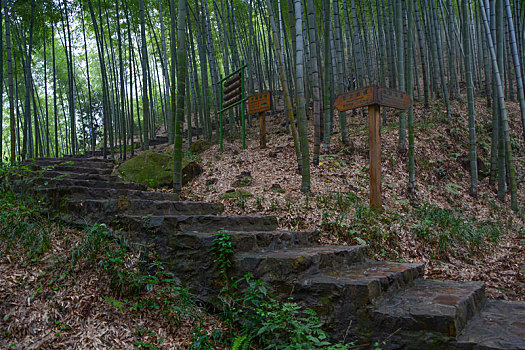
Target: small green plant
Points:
x,y
443,229
223,251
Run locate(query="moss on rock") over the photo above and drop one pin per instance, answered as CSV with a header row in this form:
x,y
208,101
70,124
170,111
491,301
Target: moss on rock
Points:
x,y
236,194
200,146
156,170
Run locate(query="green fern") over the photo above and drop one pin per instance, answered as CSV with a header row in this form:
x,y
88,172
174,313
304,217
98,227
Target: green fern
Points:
x,y
242,342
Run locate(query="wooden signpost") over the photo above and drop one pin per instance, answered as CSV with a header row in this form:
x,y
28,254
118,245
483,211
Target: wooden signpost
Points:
x,y
232,94
374,97
258,104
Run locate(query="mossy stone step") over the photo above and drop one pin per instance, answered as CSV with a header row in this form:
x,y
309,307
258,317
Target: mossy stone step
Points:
x,y
141,207
76,159
288,265
200,223
83,192
74,169
442,307
81,162
68,182
500,325
62,174
343,297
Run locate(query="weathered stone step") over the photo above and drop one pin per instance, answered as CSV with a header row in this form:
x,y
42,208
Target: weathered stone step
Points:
x,y
62,174
200,223
82,192
189,253
433,306
288,265
342,297
74,169
500,325
84,207
77,159
245,241
80,162
67,182
159,140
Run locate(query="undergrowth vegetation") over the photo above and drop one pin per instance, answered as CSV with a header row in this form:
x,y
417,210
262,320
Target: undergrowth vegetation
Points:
x,y
256,318
441,232
136,282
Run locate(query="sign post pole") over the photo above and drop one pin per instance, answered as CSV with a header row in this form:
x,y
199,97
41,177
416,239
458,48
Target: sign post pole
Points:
x,y
242,108
262,130
374,138
373,97
220,118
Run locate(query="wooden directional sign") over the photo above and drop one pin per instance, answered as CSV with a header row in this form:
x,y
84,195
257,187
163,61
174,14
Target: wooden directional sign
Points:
x,y
259,103
355,99
372,95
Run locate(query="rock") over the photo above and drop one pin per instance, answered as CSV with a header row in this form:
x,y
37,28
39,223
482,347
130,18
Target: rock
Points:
x,y
156,170
235,194
211,182
243,180
483,170
149,168
200,146
277,188
190,171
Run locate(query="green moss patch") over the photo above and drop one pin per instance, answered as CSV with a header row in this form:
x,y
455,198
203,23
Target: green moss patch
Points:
x,y
236,194
155,170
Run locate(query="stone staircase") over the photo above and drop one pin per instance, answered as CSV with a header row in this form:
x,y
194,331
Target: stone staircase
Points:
x,y
358,299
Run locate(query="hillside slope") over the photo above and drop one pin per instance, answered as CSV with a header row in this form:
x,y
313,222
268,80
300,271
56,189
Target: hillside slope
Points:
x,y
457,236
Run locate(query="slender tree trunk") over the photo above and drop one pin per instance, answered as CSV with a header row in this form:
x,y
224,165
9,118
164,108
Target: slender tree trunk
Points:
x,y
301,103
181,91
145,100
503,111
471,107
314,49
280,60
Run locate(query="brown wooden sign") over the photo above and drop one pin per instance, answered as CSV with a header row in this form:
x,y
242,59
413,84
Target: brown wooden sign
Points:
x,y
372,95
259,103
355,99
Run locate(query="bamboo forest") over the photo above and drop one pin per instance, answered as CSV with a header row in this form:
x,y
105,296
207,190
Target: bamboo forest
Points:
x,y
262,174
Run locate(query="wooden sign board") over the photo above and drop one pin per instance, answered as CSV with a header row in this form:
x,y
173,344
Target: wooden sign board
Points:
x,y
372,95
393,98
259,103
355,99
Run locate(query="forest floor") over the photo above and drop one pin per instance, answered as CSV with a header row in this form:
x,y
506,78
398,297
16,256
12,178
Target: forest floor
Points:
x,y
52,300
457,236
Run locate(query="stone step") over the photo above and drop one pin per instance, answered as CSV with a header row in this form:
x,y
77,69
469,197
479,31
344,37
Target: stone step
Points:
x,y
73,169
80,162
82,192
83,207
159,140
342,297
62,174
77,159
199,223
433,306
68,182
500,325
245,241
289,265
